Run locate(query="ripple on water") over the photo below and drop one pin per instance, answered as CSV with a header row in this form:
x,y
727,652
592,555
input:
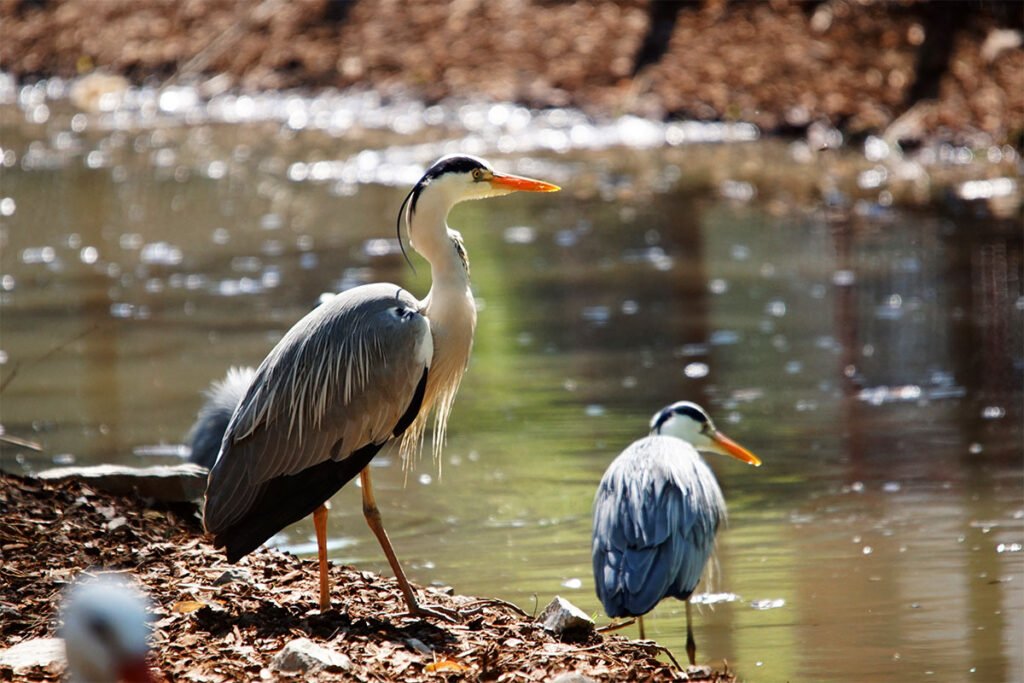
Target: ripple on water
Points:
x,y
909,392
520,234
768,603
724,338
654,256
160,253
597,315
309,547
230,287
38,255
713,598
246,264
162,450
381,246
696,370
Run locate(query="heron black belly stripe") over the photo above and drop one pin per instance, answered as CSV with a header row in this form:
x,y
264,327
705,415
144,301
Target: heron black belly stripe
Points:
x,y
287,499
414,406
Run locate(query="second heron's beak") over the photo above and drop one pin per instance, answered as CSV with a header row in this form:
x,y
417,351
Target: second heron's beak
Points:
x,y
727,446
517,183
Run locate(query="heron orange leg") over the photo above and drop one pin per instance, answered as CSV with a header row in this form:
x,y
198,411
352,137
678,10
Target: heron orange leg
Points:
x,y
320,524
373,519
691,644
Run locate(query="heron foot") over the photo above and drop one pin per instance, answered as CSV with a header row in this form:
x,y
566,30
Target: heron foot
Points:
x,y
437,612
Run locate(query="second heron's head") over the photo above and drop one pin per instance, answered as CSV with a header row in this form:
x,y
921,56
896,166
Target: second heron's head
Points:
x,y
689,422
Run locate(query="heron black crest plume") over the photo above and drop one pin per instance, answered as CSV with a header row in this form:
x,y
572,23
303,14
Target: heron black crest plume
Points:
x,y
398,227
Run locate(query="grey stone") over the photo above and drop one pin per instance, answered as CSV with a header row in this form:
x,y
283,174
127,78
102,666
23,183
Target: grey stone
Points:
x,y
572,677
239,574
699,672
565,619
303,655
418,645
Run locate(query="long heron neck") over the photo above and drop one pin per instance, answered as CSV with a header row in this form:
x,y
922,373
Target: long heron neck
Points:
x,y
440,246
449,306
450,310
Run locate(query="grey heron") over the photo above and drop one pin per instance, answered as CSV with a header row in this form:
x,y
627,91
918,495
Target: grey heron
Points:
x,y
366,367
105,631
656,513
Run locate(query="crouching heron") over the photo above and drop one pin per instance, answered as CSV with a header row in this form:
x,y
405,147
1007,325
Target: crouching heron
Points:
x,y
656,514
222,397
366,367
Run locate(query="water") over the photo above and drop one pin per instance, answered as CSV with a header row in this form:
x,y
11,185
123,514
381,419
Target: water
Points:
x,y
871,355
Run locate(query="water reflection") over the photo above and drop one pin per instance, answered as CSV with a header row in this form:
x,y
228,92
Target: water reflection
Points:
x,y
874,358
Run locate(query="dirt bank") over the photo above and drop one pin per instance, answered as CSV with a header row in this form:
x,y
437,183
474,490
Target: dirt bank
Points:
x,y
220,622
861,65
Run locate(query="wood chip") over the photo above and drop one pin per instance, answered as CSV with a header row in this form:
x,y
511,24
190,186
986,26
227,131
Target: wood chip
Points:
x,y
233,631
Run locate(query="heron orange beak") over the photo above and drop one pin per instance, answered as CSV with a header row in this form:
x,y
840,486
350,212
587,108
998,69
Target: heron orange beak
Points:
x,y
521,184
727,446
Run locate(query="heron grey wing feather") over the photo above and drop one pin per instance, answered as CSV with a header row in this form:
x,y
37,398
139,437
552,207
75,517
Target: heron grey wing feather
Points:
x,y
340,379
655,517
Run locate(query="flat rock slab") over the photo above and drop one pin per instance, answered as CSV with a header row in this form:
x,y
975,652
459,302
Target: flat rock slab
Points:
x,y
164,483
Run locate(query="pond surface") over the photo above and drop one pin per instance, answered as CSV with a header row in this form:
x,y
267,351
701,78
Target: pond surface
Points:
x,y
871,356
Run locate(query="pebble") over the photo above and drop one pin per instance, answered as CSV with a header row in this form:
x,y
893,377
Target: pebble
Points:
x,y
572,678
302,655
565,620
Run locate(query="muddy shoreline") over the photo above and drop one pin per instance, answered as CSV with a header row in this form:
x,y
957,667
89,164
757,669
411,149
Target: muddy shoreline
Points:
x,y
913,70
219,622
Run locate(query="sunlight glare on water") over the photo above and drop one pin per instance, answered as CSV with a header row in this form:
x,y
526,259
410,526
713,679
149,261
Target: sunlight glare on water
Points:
x,y
871,358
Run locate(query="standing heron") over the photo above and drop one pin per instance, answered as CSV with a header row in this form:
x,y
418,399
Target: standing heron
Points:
x,y
366,367
656,514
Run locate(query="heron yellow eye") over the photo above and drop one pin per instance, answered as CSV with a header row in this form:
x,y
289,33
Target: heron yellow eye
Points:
x,y
478,174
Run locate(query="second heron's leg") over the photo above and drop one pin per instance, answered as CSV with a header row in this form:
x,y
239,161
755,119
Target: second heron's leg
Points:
x,y
640,621
320,524
373,519
691,645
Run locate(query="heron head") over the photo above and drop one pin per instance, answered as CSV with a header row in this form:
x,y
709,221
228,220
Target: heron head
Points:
x,y
460,177
106,631
689,422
